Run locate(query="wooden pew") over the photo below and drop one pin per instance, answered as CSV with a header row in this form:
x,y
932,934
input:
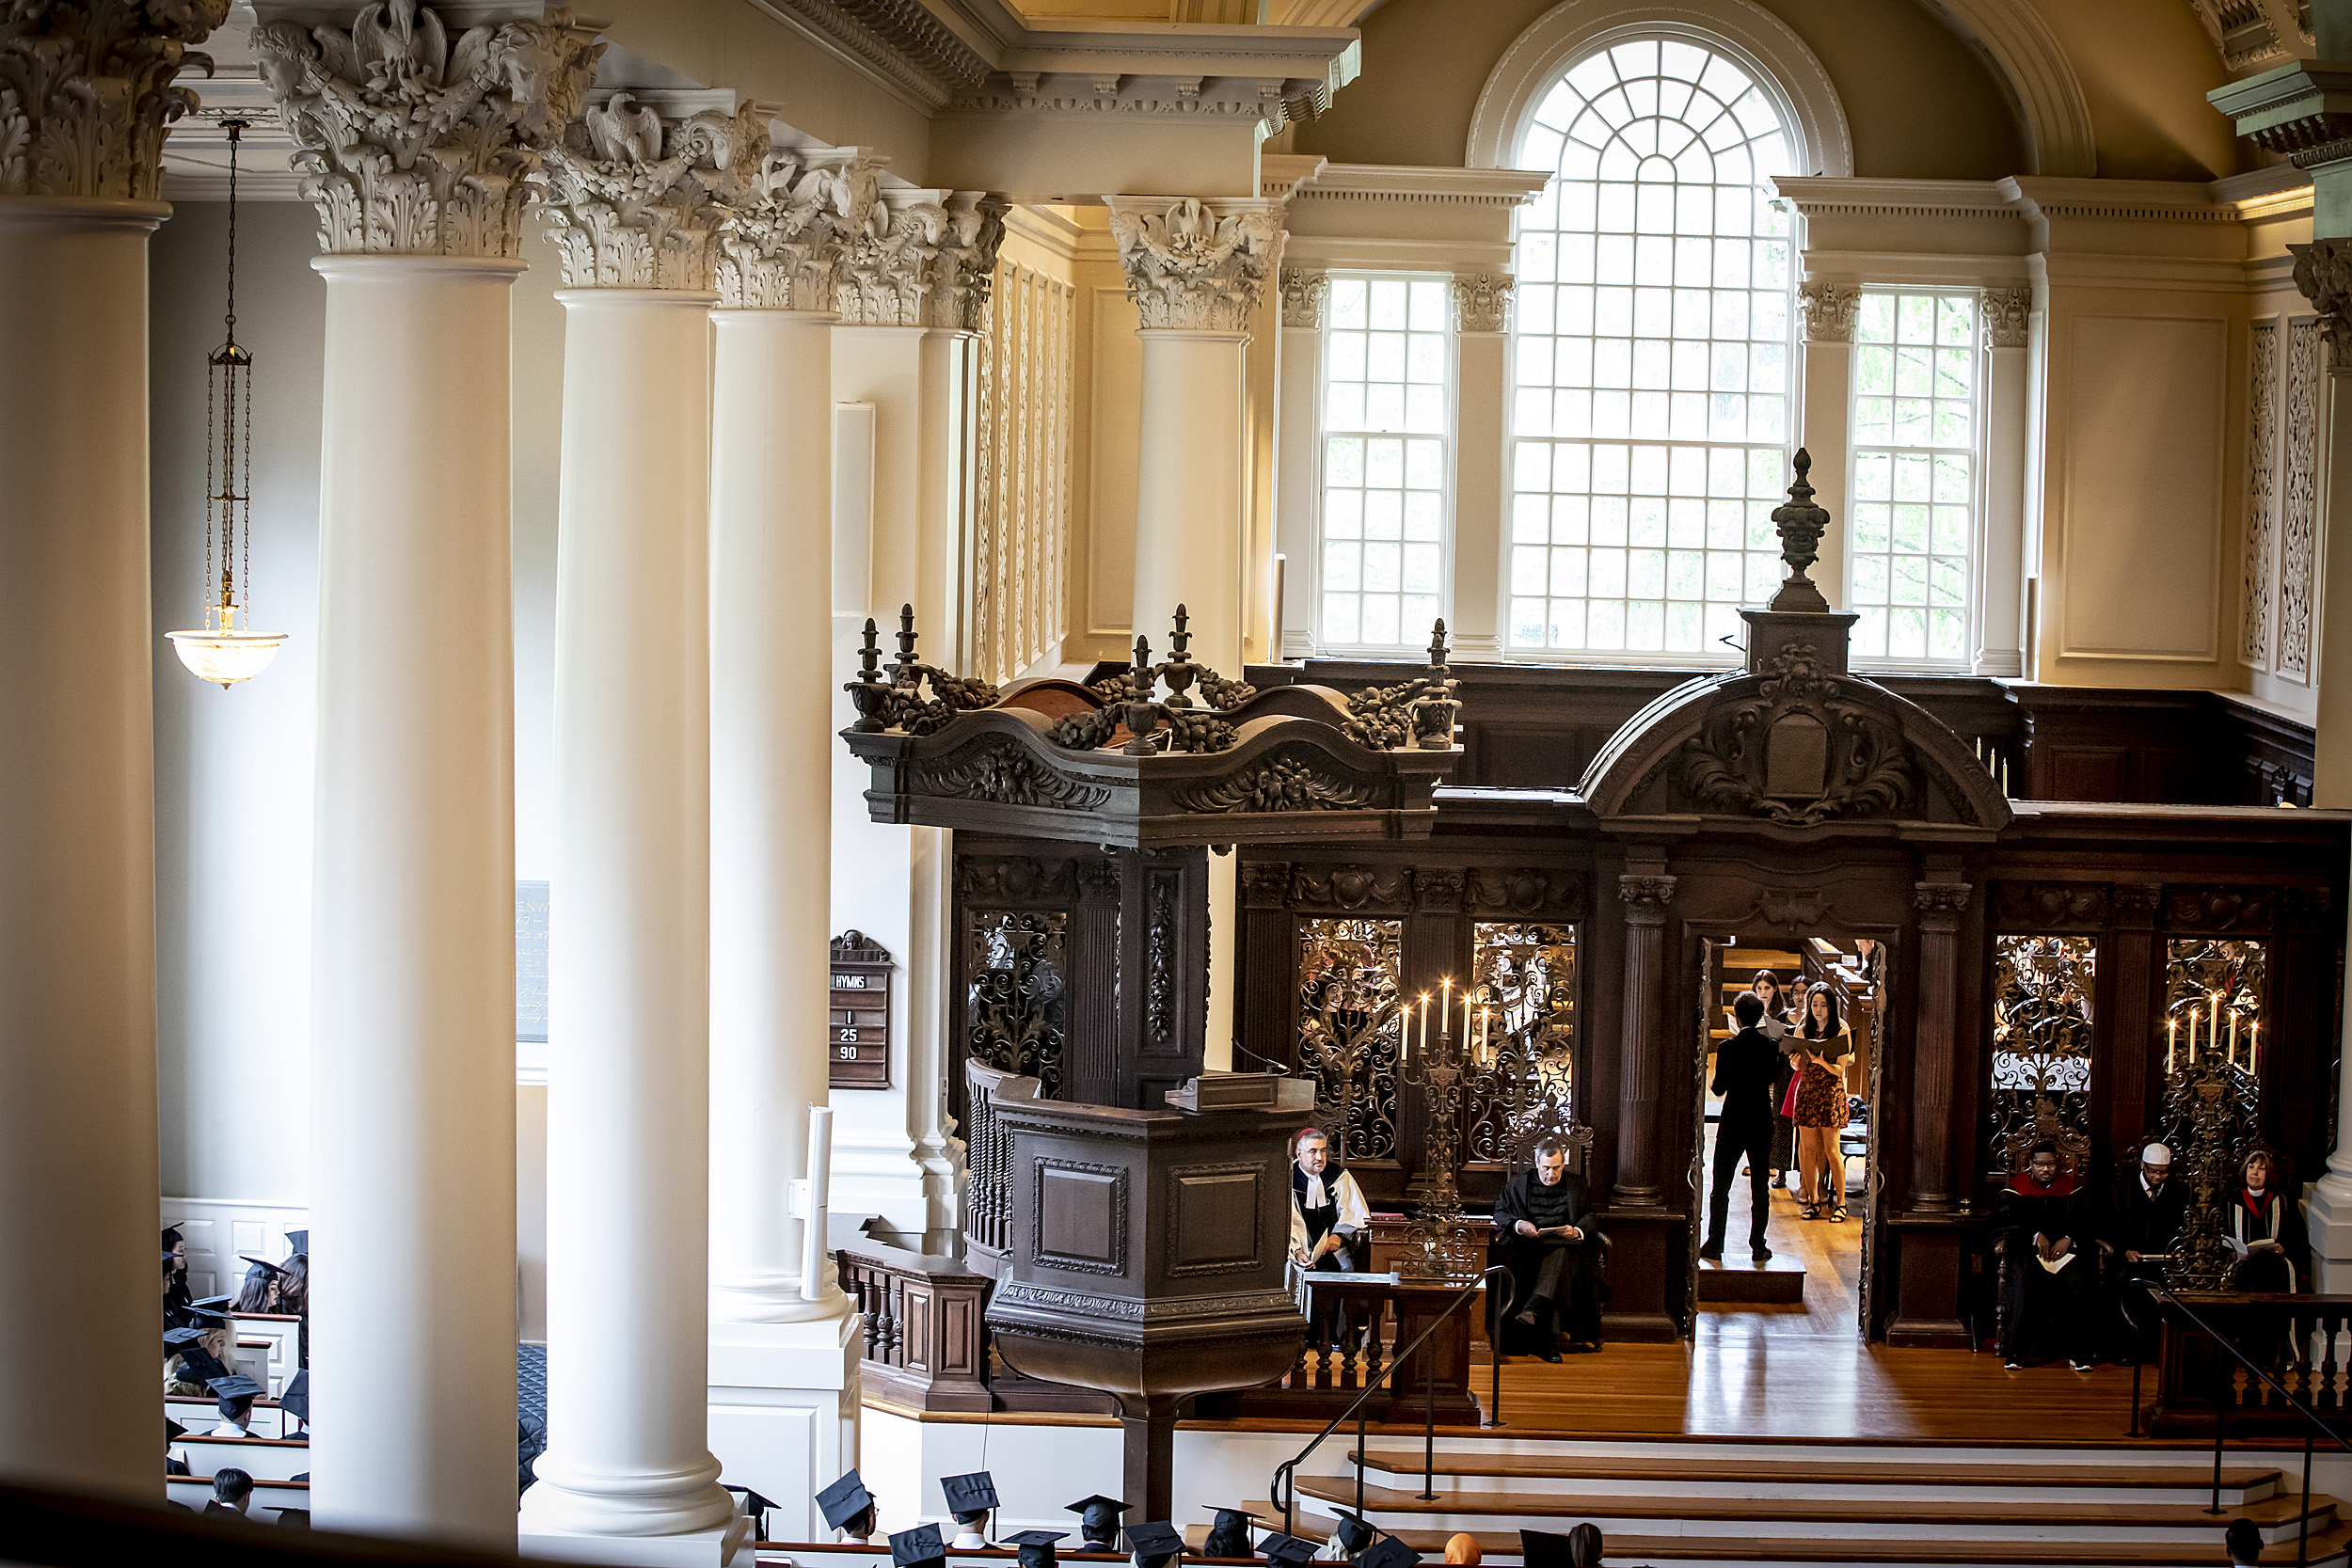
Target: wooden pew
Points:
x,y
262,1457
204,1415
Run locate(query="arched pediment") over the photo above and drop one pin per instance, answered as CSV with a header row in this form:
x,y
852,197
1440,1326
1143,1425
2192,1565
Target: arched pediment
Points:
x,y
1795,745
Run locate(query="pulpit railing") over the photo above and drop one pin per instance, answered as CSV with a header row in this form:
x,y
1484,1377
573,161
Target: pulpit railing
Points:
x,y
988,1162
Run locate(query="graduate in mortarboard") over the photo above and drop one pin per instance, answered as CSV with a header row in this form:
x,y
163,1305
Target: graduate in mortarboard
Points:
x,y
1287,1551
919,1547
1098,1521
1348,1540
849,1508
1155,1543
1580,1548
1036,1546
236,1393
1229,1536
969,1499
295,1399
1387,1552
173,1432
259,1290
175,1275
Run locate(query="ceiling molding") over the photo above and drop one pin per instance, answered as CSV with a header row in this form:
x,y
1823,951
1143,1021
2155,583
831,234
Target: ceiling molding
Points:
x,y
1410,182
2032,68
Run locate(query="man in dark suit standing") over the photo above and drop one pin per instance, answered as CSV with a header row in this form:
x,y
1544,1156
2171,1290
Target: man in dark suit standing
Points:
x,y
1745,1066
2144,1220
1544,1221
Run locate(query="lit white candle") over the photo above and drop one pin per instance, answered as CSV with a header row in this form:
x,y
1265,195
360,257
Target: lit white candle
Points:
x,y
1424,1023
2254,1047
2171,1040
2233,1037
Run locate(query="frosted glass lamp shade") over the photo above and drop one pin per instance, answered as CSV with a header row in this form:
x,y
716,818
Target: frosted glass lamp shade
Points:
x,y
227,657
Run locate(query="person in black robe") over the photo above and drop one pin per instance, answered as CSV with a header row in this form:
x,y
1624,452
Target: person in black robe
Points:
x,y
1551,1243
2262,1225
1746,1067
2142,1223
2042,1231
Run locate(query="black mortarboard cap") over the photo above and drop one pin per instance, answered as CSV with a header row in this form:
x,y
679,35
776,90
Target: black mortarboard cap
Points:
x,y
1154,1541
236,1385
1229,1535
295,1398
173,1234
1036,1546
211,1307
844,1501
1543,1548
912,1548
179,1338
969,1493
1387,1552
1289,1550
174,1430
1354,1533
1098,1511
297,1242
261,1263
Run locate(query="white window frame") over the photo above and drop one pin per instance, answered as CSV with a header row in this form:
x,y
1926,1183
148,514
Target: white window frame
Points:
x,y
1448,438
1979,461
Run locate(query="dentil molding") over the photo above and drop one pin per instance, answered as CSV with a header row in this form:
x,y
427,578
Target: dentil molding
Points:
x,y
1303,295
1482,304
86,93
409,143
635,198
2004,314
1829,311
1195,266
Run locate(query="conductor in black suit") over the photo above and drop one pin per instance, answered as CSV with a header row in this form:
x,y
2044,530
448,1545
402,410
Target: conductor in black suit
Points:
x,y
1745,1067
1550,1242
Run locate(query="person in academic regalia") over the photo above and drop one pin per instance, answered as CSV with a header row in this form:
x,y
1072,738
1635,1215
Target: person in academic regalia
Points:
x,y
1287,1551
919,1547
173,1432
2242,1541
1155,1544
1552,1245
233,1492
1350,1535
237,1393
294,1400
2143,1222
1776,1024
1098,1521
175,1276
189,1363
969,1499
849,1508
1228,1535
1388,1552
1329,1222
1035,1548
1580,1548
2263,1226
2041,1229
258,1292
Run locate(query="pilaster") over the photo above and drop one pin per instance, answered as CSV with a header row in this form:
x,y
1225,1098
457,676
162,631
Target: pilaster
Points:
x,y
1304,293
2005,318
1828,306
1481,462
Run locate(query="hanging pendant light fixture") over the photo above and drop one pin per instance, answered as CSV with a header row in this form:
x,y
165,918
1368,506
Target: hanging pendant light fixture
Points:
x,y
224,652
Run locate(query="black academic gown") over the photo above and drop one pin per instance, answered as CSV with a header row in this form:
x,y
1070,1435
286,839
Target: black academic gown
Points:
x,y
2150,1225
1583,1285
2043,1315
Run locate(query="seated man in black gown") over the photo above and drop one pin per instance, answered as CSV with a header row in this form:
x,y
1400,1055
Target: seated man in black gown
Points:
x,y
1550,1240
2041,1229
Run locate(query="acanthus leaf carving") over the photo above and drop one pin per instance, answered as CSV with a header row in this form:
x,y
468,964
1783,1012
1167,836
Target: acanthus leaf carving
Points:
x,y
1830,309
2323,274
636,198
1351,887
87,93
408,144
1483,303
1195,266
1278,784
2007,315
1002,772
2052,906
2261,482
780,244
2298,519
1303,296
1525,891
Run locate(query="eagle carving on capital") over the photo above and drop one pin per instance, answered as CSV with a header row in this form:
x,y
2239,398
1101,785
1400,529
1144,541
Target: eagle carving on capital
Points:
x,y
1190,268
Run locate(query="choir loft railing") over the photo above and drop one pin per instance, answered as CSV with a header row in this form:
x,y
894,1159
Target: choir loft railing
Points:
x,y
988,1159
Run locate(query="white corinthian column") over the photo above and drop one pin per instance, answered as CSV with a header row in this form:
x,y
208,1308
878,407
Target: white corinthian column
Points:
x,y
784,1348
419,191
1194,268
630,194
85,95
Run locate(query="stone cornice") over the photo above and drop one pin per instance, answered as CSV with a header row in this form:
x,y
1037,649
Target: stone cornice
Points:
x,y
1192,264
409,142
1819,196
635,197
87,93
1403,183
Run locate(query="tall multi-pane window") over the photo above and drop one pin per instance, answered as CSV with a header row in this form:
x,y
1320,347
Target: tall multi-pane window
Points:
x,y
1386,417
1915,474
1650,412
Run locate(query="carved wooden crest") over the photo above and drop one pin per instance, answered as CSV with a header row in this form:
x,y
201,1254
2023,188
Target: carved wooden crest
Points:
x,y
1798,752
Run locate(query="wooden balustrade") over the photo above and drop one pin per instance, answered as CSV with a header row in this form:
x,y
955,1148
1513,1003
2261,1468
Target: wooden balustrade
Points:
x,y
2303,1341
988,1154
1387,1314
926,1346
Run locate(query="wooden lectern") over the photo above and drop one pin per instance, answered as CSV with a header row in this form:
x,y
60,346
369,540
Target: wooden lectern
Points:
x,y
1146,1260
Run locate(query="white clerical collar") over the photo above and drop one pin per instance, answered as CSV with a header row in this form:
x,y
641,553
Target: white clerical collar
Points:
x,y
1317,1195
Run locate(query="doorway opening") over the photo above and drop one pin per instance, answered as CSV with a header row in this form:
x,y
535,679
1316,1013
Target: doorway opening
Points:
x,y
1818,1279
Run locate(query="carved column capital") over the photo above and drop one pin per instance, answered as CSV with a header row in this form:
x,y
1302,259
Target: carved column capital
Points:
x,y
1483,303
1303,296
1196,265
2323,271
964,268
411,144
1646,898
2004,314
780,244
635,197
918,258
1941,904
1829,311
85,94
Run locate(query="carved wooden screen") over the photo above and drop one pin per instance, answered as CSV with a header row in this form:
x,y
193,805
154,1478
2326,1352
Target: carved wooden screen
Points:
x,y
2041,1045
2213,992
1016,972
1348,1029
1521,1081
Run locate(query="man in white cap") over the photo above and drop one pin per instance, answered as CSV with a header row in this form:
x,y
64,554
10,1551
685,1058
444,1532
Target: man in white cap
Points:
x,y
2143,1221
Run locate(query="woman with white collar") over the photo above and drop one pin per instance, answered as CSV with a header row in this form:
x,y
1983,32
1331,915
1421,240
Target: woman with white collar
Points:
x,y
1329,1218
